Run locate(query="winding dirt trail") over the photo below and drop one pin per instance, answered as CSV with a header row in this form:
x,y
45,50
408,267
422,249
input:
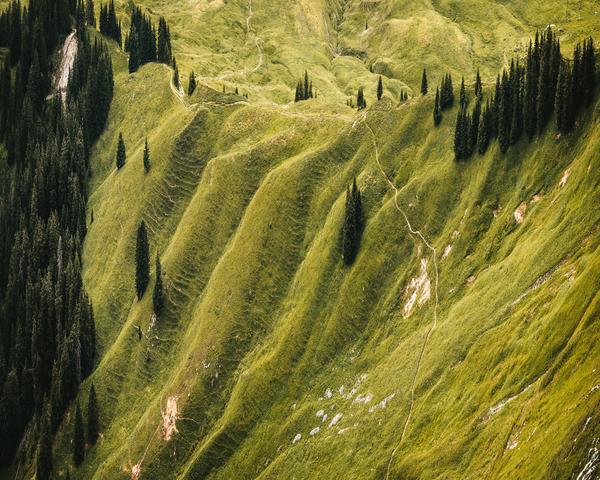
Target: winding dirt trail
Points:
x,y
430,247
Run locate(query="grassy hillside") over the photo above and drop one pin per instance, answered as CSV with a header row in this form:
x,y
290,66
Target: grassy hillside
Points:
x,y
461,344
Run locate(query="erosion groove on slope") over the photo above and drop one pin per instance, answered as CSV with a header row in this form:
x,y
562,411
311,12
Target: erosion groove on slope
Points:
x,y
418,234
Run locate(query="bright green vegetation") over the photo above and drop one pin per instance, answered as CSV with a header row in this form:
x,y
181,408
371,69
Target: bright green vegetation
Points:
x,y
485,367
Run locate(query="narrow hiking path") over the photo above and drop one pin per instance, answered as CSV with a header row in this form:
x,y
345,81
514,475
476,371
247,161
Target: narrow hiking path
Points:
x,y
431,248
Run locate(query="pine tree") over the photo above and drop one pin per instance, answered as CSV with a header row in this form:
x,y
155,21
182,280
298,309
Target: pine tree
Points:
x,y
463,94
78,438
478,87
142,256
89,13
504,113
437,112
93,423
360,99
146,157
43,464
164,51
298,96
483,137
121,154
379,88
176,75
353,224
306,92
560,100
134,50
424,83
474,127
192,83
157,294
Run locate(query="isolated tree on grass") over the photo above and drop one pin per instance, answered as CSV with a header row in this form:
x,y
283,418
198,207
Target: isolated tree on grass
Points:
x,y
424,83
93,423
437,111
360,99
379,88
157,294
121,153
78,438
142,260
192,83
146,157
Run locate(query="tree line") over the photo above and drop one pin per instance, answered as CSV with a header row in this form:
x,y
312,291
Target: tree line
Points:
x,y
526,96
147,44
47,329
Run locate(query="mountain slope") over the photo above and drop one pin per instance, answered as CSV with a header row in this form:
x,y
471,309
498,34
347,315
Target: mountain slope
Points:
x,y
461,344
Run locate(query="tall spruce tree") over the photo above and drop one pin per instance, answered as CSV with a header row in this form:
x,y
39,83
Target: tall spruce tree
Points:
x,y
158,294
146,156
437,111
483,136
463,94
379,88
93,422
424,83
78,438
361,103
176,75
192,83
121,153
90,16
353,224
142,261
478,87
44,464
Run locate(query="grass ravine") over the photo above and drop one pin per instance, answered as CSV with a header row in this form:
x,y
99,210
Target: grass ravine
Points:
x,y
462,343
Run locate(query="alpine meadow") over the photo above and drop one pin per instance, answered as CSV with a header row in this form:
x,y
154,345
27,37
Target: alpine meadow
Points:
x,y
300,239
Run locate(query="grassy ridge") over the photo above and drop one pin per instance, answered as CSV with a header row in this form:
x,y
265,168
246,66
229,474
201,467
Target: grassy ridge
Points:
x,y
264,324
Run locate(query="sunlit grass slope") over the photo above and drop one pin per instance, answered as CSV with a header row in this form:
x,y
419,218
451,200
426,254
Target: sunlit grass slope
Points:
x,y
462,343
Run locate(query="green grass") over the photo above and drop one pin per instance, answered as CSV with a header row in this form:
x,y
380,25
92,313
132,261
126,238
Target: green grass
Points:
x,y
245,202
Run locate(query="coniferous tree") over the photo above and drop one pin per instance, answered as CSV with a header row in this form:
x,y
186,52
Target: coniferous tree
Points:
x,y
379,88
134,50
504,113
589,70
142,256
437,111
90,16
463,94
192,83
483,136
560,104
306,92
353,224
157,294
424,83
478,87
474,127
43,464
93,422
146,157
121,153
361,103
78,438
176,75
164,51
